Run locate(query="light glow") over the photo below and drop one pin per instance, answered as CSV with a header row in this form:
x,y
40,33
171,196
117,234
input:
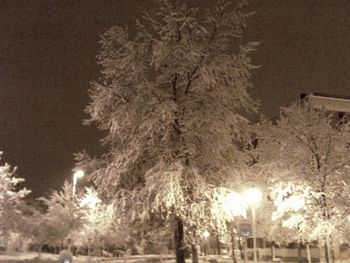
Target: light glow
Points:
x,y
79,174
253,196
205,234
90,199
76,175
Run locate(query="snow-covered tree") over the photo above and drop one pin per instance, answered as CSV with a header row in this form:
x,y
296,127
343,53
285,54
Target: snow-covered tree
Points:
x,y
97,219
171,98
11,201
63,216
35,227
307,156
268,225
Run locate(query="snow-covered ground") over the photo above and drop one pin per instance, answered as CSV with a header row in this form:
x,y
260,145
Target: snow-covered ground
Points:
x,y
30,257
50,258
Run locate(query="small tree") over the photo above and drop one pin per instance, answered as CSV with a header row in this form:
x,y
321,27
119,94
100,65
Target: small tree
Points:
x,y
306,154
35,228
171,99
63,216
97,218
11,201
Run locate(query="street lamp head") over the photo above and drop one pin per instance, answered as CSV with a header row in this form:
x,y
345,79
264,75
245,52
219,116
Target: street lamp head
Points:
x,y
78,174
253,196
205,234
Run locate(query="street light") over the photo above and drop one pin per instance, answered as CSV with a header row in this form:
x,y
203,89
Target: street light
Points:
x,y
205,234
253,197
76,175
234,205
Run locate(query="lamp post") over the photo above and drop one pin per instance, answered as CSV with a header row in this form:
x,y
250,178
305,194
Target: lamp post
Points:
x,y
234,205
253,197
206,235
76,175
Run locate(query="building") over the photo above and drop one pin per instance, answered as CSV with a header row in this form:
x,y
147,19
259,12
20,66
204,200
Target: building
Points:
x,y
340,105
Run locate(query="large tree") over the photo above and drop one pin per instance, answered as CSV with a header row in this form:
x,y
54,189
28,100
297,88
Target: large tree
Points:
x,y
307,157
170,98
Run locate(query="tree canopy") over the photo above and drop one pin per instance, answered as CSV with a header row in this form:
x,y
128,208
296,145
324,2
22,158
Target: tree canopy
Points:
x,y
307,156
171,97
11,201
63,216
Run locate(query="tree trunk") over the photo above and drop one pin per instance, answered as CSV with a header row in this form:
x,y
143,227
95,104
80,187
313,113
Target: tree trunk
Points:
x,y
194,247
326,250
194,253
241,247
40,248
273,252
245,245
89,251
218,245
179,241
334,256
233,246
308,253
300,254
6,240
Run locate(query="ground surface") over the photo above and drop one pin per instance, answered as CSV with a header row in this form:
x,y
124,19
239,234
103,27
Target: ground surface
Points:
x,y
50,258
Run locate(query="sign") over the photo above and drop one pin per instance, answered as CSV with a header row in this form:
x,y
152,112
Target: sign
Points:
x,y
245,228
65,256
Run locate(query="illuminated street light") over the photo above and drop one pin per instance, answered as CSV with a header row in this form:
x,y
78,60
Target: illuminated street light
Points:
x,y
234,205
76,175
205,234
253,197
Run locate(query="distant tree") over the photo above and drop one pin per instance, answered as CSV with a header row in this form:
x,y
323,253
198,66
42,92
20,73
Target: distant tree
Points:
x,y
34,227
171,99
11,201
63,215
97,219
307,157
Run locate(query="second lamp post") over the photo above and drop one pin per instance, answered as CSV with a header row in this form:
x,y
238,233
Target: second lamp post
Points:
x,y
253,197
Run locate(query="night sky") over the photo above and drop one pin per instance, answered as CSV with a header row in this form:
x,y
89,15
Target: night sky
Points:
x,y
48,57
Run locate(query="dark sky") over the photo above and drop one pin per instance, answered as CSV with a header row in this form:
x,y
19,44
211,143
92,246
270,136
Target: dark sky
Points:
x,y
48,57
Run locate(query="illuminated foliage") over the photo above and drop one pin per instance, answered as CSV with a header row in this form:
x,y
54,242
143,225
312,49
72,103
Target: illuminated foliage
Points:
x,y
171,98
63,216
11,201
306,156
97,219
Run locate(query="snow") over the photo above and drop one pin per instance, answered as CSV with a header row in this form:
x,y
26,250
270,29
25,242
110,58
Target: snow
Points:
x,y
26,256
30,257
